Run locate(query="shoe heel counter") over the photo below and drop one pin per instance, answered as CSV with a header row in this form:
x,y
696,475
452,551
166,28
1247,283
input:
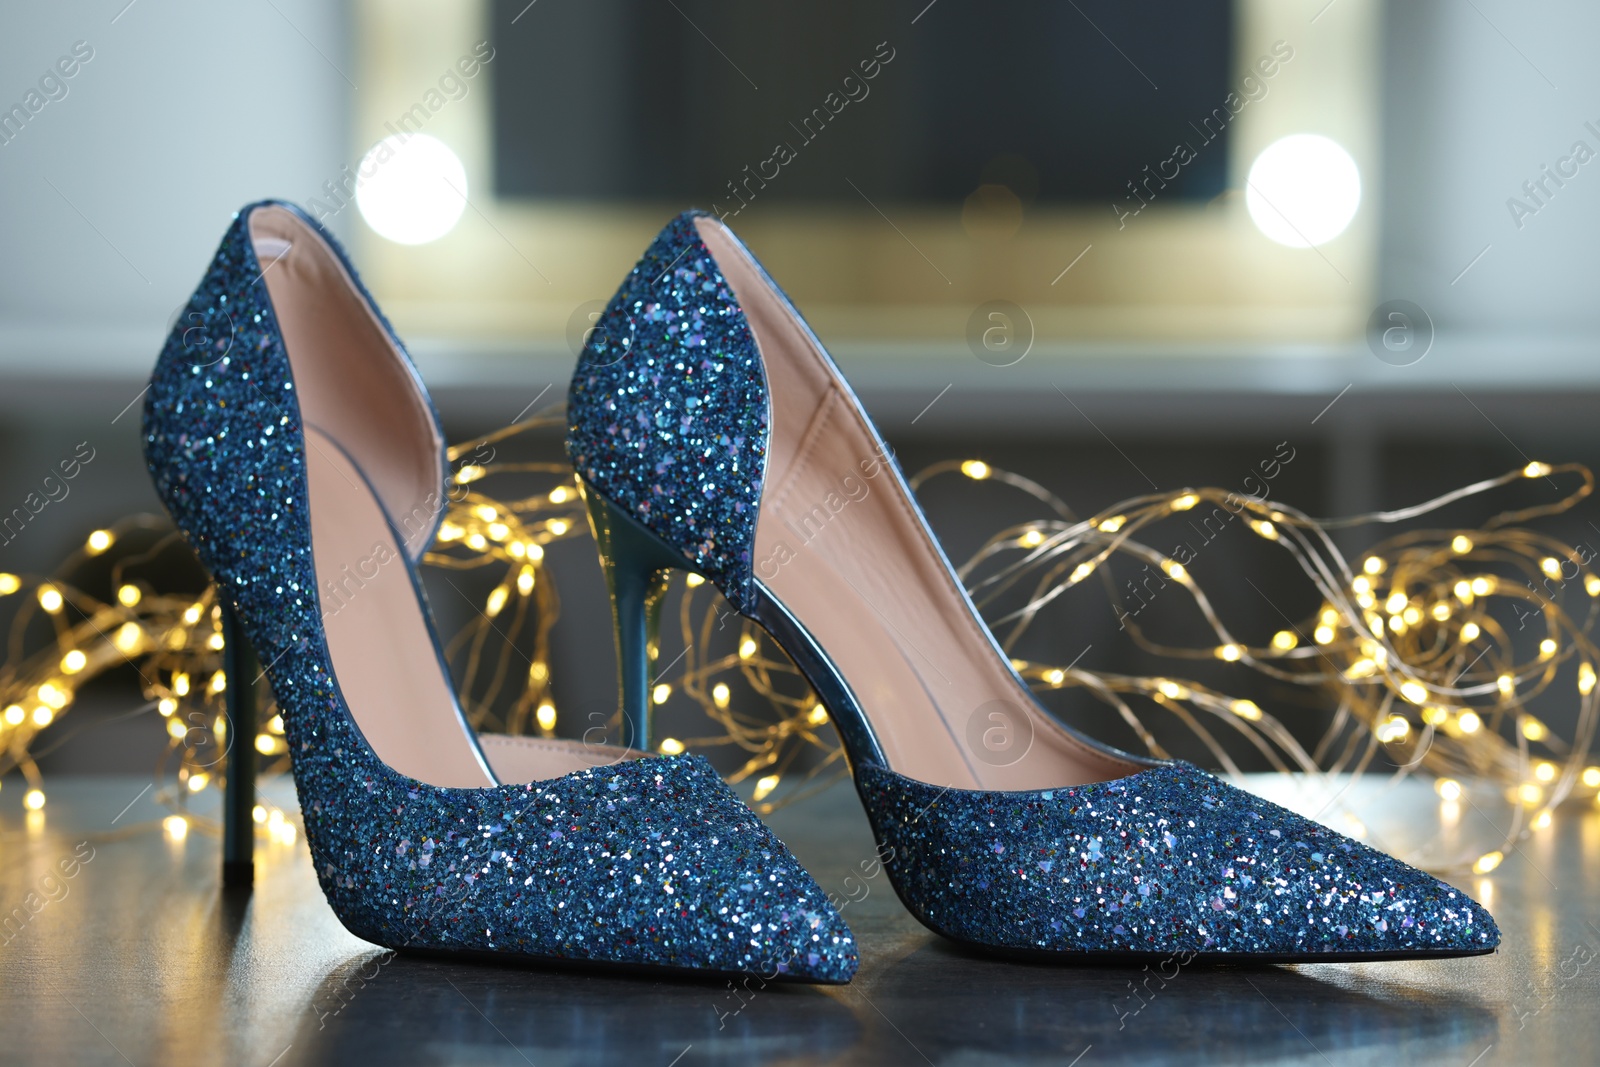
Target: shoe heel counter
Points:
x,y
667,409
223,376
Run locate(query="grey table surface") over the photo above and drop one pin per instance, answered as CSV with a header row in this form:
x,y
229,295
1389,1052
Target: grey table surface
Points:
x,y
139,958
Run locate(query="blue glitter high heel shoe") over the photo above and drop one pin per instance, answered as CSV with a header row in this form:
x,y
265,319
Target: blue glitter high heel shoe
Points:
x,y
712,434
290,438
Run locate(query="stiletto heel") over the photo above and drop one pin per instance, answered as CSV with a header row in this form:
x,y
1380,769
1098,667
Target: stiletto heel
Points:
x,y
289,437
240,669
636,563
724,432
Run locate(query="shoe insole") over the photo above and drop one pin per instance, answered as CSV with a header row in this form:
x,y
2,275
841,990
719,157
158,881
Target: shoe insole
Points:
x,y
841,544
374,465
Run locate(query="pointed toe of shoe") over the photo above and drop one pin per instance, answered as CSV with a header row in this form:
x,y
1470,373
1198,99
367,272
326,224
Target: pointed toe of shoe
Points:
x,y
1471,930
1334,897
813,945
758,911
649,863
1168,862
1359,903
1445,920
750,907
1477,932
1273,884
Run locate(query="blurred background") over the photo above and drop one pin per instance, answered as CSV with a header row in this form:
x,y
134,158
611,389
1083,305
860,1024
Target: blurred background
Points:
x,y
1114,247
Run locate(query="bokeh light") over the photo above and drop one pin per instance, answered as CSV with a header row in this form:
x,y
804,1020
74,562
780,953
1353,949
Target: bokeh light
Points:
x,y
1303,190
413,189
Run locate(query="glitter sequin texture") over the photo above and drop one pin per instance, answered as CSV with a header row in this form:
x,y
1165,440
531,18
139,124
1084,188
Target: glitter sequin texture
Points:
x,y
650,862
668,408
1168,860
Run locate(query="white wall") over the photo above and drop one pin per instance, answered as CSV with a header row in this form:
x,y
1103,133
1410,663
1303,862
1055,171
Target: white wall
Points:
x,y
190,109
1469,116
186,111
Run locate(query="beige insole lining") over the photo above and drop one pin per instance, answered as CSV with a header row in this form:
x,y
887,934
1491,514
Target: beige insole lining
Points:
x,y
362,413
840,544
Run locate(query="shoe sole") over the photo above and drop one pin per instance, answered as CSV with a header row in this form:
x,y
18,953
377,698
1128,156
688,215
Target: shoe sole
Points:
x,y
608,967
1110,958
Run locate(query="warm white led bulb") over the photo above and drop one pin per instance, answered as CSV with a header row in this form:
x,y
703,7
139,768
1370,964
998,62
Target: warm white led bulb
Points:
x,y
413,189
1303,190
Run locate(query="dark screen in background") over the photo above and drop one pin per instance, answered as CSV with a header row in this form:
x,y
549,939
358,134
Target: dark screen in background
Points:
x,y
674,99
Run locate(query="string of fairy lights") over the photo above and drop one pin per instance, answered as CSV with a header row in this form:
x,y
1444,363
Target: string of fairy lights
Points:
x,y
1412,649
